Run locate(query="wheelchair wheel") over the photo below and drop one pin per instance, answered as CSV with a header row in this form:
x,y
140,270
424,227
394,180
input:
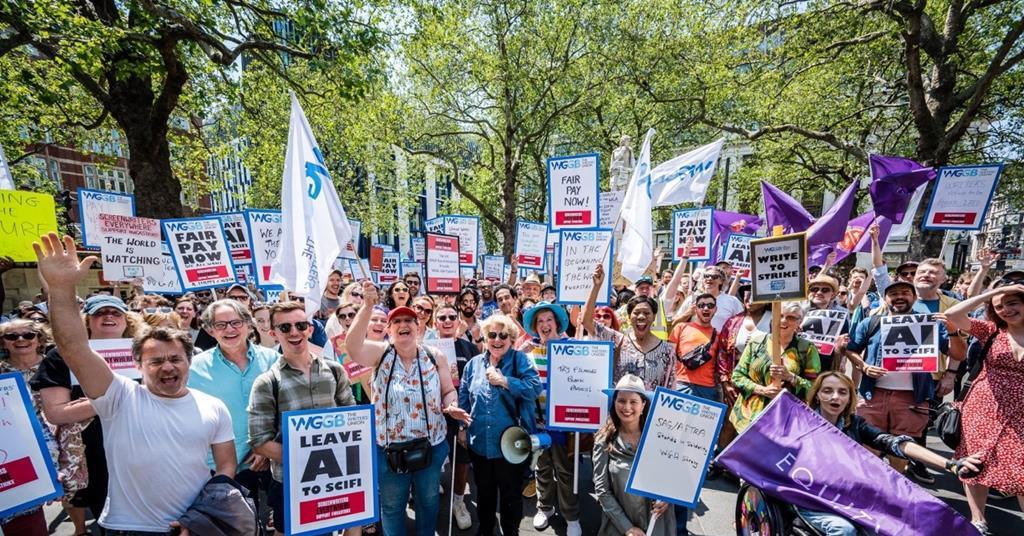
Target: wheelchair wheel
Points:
x,y
757,514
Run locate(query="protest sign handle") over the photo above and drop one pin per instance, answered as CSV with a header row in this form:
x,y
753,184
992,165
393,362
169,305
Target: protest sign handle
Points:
x,y
576,466
776,321
451,489
651,523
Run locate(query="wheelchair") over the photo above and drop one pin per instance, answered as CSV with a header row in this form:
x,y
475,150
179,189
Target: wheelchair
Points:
x,y
757,514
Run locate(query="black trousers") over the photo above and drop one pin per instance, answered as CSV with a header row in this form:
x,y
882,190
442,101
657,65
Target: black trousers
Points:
x,y
496,477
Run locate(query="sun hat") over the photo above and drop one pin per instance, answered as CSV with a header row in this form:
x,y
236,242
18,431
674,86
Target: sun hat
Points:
x,y
561,316
629,383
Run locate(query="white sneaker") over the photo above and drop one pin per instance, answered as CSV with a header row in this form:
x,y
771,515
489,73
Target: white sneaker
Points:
x,y
541,520
462,518
574,529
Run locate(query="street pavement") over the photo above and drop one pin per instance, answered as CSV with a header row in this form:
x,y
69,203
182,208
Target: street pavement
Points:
x,y
713,517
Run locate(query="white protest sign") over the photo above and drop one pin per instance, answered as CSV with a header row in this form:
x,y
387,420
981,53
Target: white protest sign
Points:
x,y
961,197
447,347
506,271
573,191
200,252
822,327
330,469
389,272
237,232
412,267
434,225
737,253
778,268
130,248
118,355
265,234
27,474
579,253
676,448
910,343
493,267
442,252
467,229
467,272
611,203
351,249
531,244
696,223
578,374
419,246
92,203
166,282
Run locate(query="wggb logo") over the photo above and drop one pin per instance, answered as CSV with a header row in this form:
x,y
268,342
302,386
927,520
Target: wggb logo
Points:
x,y
315,172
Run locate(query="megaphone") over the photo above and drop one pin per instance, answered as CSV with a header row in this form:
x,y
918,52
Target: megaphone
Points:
x,y
517,444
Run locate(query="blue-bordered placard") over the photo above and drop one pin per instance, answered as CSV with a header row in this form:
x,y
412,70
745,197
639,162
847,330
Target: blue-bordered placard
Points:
x,y
696,222
575,267
956,202
469,239
531,257
30,475
258,222
223,279
91,203
313,497
574,191
676,447
578,374
239,255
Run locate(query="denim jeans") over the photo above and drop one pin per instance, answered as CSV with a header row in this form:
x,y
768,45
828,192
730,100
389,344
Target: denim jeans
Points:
x,y
828,523
707,393
394,493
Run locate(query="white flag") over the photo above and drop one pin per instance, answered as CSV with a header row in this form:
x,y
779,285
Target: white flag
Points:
x,y
6,180
685,178
637,241
313,222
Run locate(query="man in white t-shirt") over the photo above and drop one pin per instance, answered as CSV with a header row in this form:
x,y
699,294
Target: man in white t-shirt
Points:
x,y
156,434
728,306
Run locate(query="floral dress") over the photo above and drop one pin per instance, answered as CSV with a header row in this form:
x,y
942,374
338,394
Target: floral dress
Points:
x,y
407,418
992,415
754,369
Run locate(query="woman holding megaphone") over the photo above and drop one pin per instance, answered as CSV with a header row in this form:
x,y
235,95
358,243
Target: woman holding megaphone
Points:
x,y
500,388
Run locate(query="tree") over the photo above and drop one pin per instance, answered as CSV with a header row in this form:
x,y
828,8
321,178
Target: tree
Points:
x,y
147,63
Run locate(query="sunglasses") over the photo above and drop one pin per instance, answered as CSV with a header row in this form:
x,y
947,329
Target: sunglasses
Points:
x,y
843,293
492,335
907,274
423,309
712,276
347,316
706,305
286,327
602,315
814,290
356,294
30,336
239,297
151,310
447,318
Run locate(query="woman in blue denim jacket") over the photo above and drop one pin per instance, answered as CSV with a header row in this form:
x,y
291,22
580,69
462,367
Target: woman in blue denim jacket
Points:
x,y
500,388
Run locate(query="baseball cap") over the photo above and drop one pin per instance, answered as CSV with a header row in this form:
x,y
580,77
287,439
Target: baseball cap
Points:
x,y
897,284
399,312
644,280
99,301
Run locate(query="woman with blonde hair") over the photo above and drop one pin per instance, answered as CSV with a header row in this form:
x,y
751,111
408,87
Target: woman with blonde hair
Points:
x,y
162,317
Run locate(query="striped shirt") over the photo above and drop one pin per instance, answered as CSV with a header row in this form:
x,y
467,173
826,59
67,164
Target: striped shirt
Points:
x,y
406,419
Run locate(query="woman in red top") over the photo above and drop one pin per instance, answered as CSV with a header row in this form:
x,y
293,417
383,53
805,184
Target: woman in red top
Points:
x,y
991,414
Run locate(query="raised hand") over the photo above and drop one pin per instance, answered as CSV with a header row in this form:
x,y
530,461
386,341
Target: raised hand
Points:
x,y
58,263
370,294
598,275
874,231
987,257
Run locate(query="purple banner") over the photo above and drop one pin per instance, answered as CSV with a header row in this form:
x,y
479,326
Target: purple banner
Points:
x,y
793,454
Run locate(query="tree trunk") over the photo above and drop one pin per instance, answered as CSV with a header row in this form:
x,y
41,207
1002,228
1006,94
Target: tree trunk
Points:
x,y
158,191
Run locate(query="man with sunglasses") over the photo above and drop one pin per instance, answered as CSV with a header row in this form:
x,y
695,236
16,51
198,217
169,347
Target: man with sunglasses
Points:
x,y
412,280
227,372
298,380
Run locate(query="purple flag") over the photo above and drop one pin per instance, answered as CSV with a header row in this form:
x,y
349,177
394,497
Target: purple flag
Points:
x,y
792,453
831,226
856,239
781,209
893,181
725,223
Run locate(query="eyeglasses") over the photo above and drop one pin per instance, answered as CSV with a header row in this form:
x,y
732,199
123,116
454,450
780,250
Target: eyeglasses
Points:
x,y
239,297
158,362
151,310
346,316
30,336
493,335
236,323
423,310
815,290
286,327
447,318
706,305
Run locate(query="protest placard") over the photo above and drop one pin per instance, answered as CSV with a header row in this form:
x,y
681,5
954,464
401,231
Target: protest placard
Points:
x,y
200,252
351,250
24,217
574,191
467,273
118,355
412,267
611,203
265,234
778,268
961,197
360,269
822,327
579,253
389,268
442,252
92,203
737,253
676,448
506,272
695,222
531,243
447,348
27,475
910,343
130,248
419,245
237,233
578,374
434,225
467,229
245,273
493,267
376,258
330,469
166,282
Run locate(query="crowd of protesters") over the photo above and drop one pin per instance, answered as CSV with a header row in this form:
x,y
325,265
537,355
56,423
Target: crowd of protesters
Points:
x,y
220,367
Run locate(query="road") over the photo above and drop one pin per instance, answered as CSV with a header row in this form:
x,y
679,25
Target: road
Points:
x,y
714,517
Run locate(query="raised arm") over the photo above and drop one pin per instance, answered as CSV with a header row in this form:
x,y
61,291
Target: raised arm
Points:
x,y
857,297
830,261
513,273
366,353
591,303
986,259
958,314
60,267
672,292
